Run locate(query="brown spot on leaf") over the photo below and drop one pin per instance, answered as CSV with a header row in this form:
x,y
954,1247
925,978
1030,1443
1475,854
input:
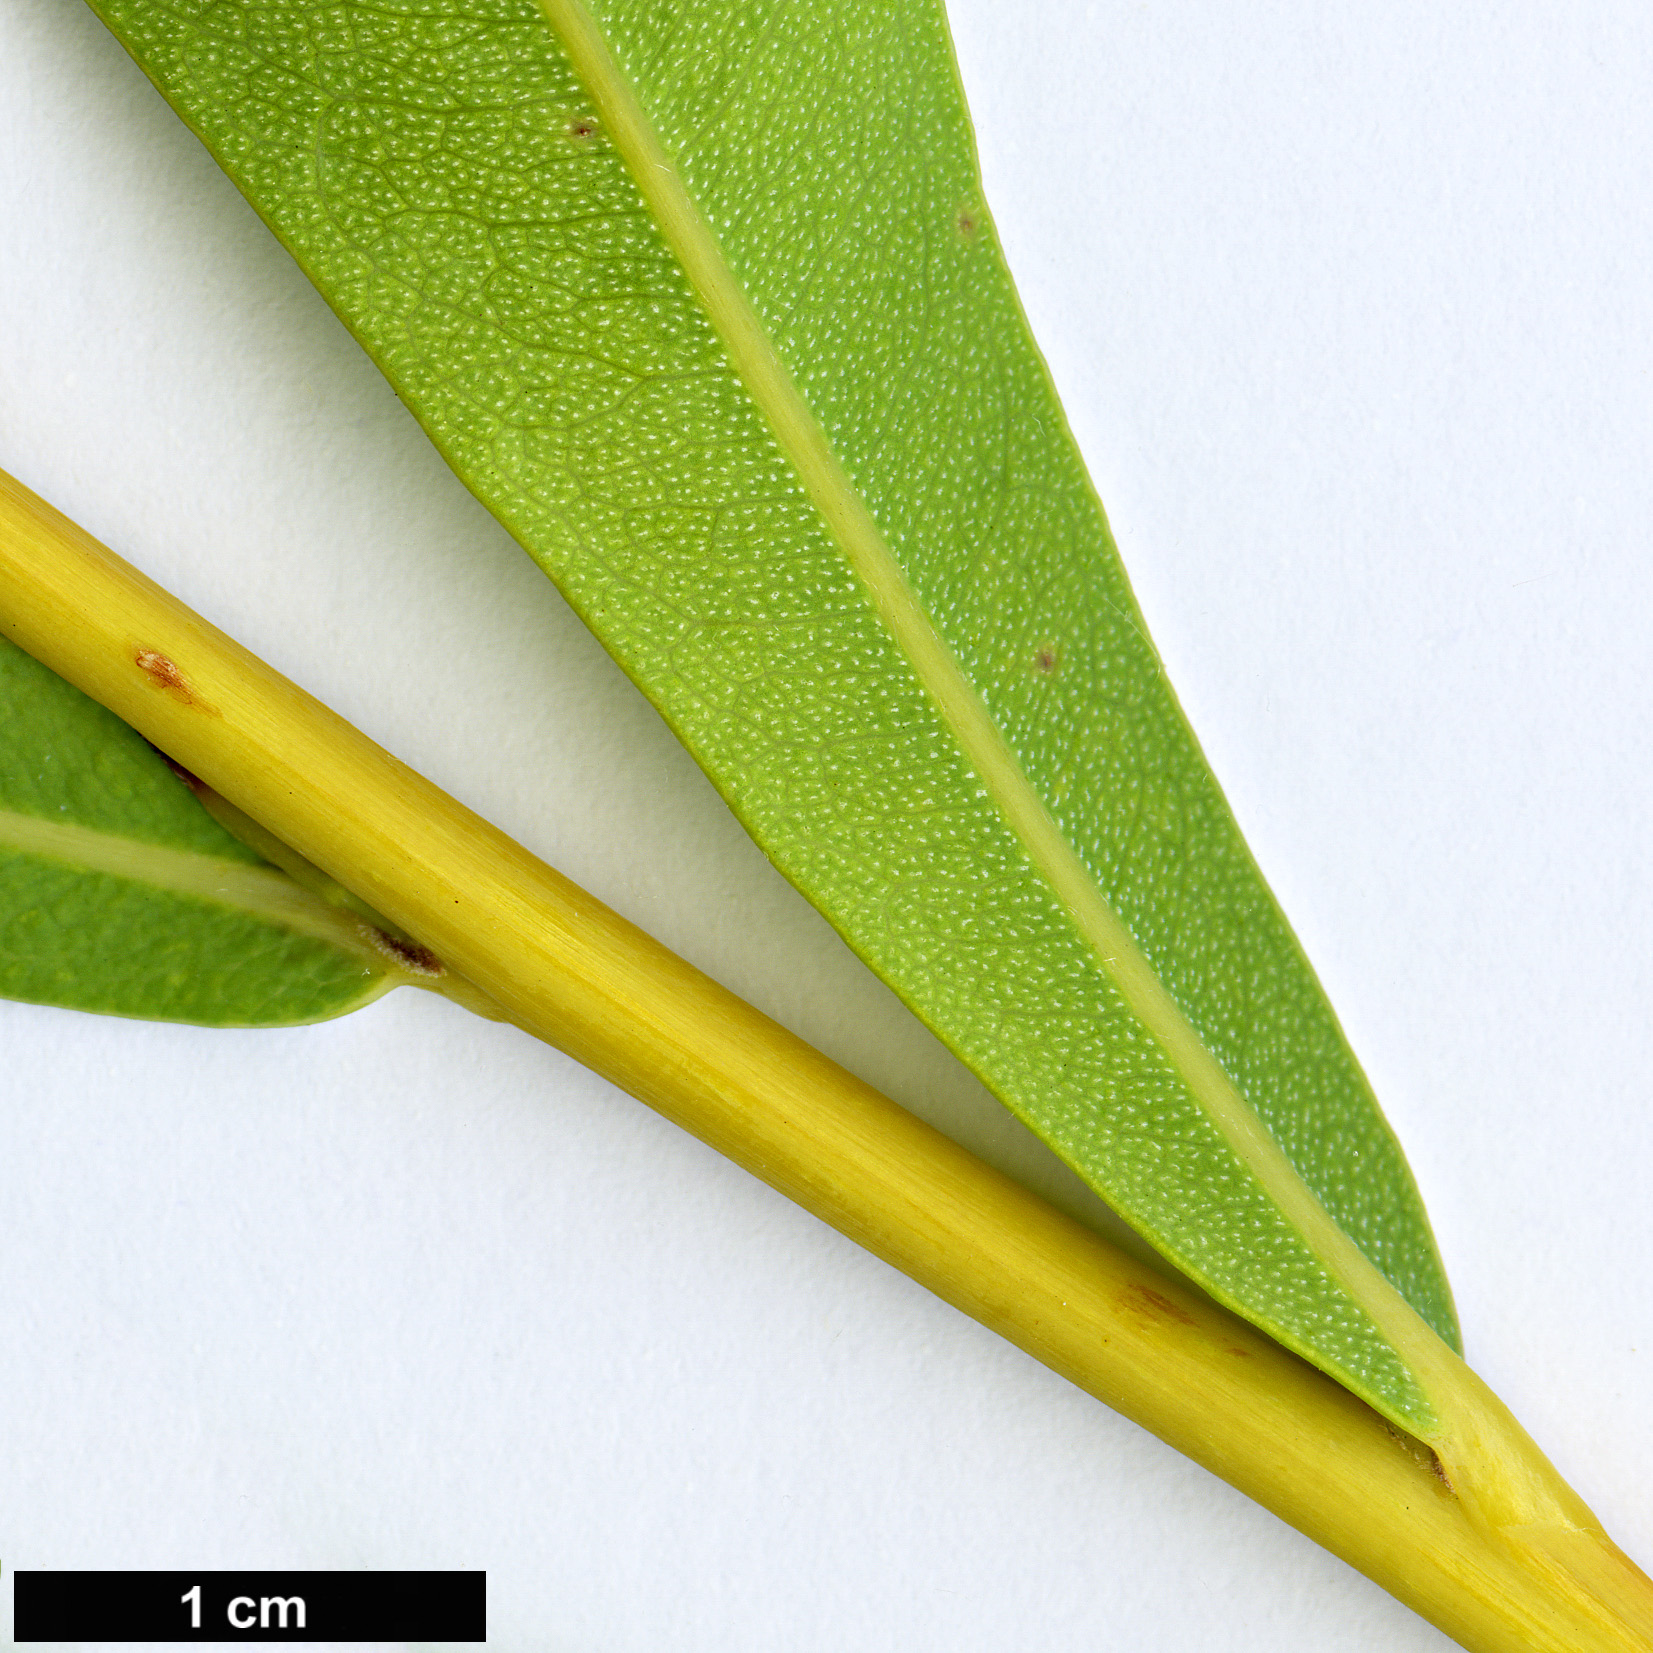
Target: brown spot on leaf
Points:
x,y
1146,1299
968,221
1046,659
583,128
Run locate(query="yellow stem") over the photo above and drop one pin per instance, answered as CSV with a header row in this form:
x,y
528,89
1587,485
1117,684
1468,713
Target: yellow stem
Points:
x,y
566,968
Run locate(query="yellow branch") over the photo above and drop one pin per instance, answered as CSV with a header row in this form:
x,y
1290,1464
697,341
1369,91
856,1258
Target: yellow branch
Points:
x,y
572,972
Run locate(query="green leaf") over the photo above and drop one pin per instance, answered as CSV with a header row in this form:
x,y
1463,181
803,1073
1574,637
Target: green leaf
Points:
x,y
703,301
120,893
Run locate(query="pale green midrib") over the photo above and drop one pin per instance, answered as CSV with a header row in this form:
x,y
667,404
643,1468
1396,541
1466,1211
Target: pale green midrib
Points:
x,y
258,892
804,442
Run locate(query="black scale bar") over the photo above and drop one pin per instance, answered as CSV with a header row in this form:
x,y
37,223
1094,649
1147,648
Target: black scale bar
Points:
x,y
262,1607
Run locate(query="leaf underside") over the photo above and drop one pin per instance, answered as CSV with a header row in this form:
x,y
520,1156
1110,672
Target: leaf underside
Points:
x,y
119,893
717,325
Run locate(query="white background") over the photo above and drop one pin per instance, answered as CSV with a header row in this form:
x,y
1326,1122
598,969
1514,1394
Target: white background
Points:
x,y
1351,308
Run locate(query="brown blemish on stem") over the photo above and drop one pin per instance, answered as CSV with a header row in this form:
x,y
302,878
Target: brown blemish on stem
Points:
x,y
1420,1453
406,955
192,781
1144,1299
164,674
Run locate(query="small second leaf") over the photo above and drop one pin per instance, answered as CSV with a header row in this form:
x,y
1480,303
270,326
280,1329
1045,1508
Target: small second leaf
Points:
x,y
120,893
